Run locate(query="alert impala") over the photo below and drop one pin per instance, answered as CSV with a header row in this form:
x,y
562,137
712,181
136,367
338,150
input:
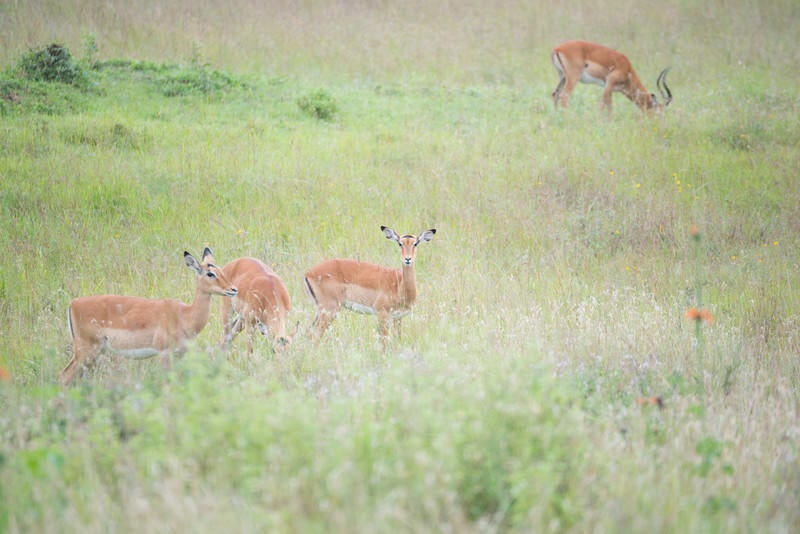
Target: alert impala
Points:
x,y
365,287
140,328
582,61
262,303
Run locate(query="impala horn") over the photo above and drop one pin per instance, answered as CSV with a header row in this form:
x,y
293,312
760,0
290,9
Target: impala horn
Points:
x,y
665,92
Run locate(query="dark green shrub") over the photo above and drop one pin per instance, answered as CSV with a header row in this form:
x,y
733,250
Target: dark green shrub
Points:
x,y
195,80
319,104
52,63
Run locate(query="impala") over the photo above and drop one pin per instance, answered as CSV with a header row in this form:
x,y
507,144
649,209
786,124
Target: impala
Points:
x,y
140,328
262,303
582,61
365,287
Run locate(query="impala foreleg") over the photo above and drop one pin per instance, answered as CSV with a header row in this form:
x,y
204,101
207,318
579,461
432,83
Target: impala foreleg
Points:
x,y
606,100
228,320
383,328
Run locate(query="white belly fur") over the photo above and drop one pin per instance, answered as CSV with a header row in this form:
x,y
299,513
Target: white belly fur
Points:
x,y
361,308
133,354
585,78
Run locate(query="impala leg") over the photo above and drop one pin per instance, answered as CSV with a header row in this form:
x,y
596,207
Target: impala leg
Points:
x,y
82,356
235,325
398,327
321,322
615,79
251,333
569,84
558,90
566,81
228,324
383,328
606,102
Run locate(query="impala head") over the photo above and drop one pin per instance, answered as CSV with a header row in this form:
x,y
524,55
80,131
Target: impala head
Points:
x,y
279,344
661,83
408,243
211,278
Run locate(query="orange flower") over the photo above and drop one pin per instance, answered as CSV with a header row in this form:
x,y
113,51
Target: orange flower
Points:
x,y
694,232
5,376
693,314
650,401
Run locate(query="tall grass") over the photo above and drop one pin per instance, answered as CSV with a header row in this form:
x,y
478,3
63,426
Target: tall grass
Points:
x,y
551,304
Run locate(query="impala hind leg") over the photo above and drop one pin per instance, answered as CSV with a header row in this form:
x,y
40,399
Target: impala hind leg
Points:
x,y
83,355
251,327
327,309
559,88
566,90
322,321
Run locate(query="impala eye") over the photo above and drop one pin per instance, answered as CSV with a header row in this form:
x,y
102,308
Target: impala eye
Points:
x,y
210,274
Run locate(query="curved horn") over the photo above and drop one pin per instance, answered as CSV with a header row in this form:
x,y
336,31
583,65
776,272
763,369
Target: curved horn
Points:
x,y
665,92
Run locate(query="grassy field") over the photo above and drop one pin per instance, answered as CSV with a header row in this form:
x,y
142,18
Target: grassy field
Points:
x,y
552,306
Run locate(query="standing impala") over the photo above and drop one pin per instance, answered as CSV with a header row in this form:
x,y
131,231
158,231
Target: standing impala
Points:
x,y
582,61
365,287
262,302
140,328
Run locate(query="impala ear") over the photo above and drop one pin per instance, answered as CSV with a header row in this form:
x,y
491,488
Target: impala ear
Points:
x,y
208,256
390,234
427,235
192,263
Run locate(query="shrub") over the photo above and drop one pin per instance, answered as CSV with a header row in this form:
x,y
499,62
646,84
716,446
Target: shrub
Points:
x,y
52,63
319,104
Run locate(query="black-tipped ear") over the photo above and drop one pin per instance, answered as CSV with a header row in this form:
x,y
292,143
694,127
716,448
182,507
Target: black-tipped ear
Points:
x,y
207,252
427,235
390,234
192,263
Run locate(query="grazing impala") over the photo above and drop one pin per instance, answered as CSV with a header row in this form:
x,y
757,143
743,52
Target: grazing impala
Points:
x,y
141,328
365,287
262,302
582,61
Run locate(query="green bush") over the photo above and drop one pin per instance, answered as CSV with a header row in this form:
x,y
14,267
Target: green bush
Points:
x,y
319,104
52,63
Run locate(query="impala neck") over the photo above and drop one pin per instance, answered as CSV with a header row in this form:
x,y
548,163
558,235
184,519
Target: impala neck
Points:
x,y
408,285
637,93
195,315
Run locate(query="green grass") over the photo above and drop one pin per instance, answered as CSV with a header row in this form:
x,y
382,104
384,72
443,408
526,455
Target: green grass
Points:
x,y
551,301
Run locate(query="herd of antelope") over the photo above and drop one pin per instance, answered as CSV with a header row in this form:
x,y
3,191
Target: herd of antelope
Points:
x,y
256,299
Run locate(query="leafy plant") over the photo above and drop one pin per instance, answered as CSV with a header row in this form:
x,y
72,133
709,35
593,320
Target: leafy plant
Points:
x,y
52,63
318,104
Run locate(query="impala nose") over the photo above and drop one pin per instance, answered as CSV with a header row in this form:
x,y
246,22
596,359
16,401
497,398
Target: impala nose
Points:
x,y
232,292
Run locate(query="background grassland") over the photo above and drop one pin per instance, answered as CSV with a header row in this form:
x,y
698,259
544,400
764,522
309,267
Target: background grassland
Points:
x,y
551,300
